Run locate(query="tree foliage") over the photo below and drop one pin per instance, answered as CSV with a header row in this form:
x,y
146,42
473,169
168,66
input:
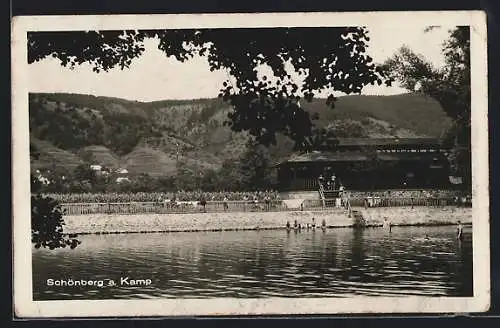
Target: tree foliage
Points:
x,y
255,166
325,59
47,224
46,216
449,85
83,172
250,170
72,125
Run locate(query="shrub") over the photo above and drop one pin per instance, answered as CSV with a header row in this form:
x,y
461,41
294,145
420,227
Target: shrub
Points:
x,y
47,224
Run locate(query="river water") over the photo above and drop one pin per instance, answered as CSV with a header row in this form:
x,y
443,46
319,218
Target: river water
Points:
x,y
426,261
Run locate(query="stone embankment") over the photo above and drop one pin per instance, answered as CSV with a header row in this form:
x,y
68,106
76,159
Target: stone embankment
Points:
x,y
105,223
407,216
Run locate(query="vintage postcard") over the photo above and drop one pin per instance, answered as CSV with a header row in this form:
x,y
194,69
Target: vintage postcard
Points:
x,y
250,164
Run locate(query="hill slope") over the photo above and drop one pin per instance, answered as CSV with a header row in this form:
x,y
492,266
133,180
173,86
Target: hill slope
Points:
x,y
69,129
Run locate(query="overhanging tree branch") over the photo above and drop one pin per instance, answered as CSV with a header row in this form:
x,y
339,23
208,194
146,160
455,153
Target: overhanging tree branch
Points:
x,y
326,59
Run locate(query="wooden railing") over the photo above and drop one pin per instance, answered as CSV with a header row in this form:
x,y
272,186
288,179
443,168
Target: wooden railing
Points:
x,y
157,207
248,206
410,202
383,202
311,184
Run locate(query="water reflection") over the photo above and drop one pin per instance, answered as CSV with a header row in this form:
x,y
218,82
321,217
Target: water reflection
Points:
x,y
310,263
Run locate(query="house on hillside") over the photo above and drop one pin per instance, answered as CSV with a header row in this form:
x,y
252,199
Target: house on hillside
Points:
x,y
122,180
96,167
41,178
121,171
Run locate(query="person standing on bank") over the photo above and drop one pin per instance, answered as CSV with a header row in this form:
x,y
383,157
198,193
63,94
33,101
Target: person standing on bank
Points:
x,y
245,202
267,200
338,202
341,194
203,203
460,231
321,180
387,225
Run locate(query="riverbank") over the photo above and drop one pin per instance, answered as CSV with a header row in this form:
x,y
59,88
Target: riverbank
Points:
x,y
417,216
144,223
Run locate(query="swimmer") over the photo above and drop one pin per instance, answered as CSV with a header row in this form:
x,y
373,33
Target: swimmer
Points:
x,y
287,225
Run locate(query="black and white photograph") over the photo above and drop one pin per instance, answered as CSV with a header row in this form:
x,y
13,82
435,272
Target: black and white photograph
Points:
x,y
245,164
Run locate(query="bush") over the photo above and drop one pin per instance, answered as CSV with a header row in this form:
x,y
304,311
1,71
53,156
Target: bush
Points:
x,y
47,224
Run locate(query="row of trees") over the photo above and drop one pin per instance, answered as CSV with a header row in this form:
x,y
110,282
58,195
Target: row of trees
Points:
x,y
47,217
449,85
249,172
71,128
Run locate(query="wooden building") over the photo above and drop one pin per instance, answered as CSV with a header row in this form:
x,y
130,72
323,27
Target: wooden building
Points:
x,y
365,163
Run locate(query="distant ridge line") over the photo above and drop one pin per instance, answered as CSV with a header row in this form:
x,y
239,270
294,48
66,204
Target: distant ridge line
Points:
x,y
202,98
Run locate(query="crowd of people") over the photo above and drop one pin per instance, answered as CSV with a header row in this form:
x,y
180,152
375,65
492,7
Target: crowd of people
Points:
x,y
335,195
221,196
335,192
297,226
408,194
416,194
410,198
330,182
259,196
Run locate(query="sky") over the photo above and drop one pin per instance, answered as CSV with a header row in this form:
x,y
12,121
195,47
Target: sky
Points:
x,y
153,76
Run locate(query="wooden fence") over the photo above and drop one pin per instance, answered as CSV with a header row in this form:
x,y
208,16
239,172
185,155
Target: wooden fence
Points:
x,y
406,201
158,207
247,206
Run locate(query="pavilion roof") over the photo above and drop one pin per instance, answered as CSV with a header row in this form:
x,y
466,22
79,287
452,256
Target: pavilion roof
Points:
x,y
418,141
329,156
